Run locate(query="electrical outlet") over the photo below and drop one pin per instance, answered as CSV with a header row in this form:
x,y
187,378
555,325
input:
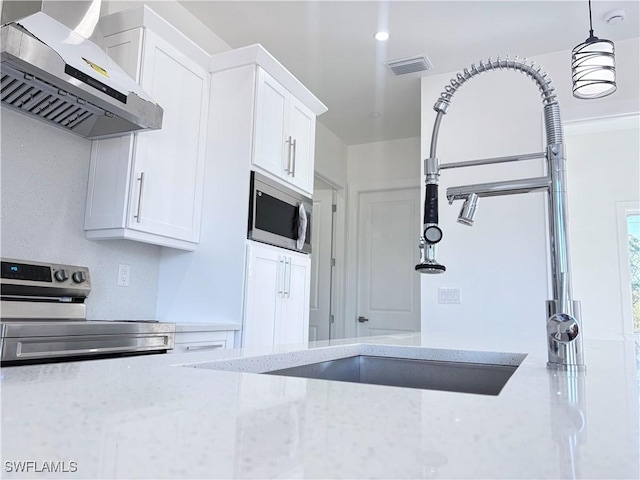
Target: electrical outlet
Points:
x,y
123,275
449,295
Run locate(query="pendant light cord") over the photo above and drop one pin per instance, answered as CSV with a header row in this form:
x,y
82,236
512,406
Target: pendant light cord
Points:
x,y
590,21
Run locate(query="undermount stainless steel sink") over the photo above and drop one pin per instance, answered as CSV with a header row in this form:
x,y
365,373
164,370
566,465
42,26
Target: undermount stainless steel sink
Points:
x,y
485,379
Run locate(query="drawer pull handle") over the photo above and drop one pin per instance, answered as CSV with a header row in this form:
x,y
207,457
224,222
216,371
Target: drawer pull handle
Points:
x,y
203,347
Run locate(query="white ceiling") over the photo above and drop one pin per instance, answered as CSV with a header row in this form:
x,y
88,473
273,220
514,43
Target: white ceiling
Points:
x,y
329,46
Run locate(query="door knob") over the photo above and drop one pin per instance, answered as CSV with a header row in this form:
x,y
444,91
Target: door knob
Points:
x,y
363,319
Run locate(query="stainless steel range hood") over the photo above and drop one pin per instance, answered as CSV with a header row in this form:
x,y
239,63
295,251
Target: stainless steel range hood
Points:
x,y
50,71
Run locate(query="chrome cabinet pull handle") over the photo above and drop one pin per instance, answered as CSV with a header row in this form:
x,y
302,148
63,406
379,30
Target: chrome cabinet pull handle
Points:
x,y
281,273
137,216
289,149
203,347
287,262
293,168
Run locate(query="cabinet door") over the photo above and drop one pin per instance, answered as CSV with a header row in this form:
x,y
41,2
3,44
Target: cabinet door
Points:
x,y
166,188
111,159
302,128
292,326
270,148
263,292
126,49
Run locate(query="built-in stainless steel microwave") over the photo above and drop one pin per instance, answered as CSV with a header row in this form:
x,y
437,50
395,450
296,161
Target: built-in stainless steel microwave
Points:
x,y
276,215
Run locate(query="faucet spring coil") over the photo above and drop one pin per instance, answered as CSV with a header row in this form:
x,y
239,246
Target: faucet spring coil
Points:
x,y
533,71
553,124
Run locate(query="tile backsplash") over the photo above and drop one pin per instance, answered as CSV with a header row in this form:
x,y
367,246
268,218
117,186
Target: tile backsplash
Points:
x,y
44,173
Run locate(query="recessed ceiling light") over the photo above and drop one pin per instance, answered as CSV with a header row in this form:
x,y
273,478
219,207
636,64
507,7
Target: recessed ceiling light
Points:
x,y
382,36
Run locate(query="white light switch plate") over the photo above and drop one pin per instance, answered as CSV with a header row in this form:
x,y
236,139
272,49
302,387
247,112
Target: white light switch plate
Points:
x,y
449,295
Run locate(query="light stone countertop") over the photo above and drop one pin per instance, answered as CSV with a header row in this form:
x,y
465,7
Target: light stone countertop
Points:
x,y
158,417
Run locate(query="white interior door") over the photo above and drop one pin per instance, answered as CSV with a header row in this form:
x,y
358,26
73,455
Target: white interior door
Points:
x,y
321,235
388,287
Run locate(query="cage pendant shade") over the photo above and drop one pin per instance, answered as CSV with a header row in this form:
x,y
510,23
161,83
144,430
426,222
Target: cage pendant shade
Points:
x,y
593,67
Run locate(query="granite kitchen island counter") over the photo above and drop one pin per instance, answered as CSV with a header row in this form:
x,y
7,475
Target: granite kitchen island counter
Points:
x,y
155,417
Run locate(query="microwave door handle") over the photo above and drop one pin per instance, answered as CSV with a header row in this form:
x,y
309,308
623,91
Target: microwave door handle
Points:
x,y
302,226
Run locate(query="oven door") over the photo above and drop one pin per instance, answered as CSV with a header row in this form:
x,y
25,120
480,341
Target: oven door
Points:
x,y
31,342
276,217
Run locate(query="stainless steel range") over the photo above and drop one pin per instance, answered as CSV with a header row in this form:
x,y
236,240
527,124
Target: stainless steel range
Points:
x,y
43,316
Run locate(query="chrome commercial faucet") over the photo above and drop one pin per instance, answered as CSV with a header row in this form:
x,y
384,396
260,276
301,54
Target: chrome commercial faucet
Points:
x,y
564,329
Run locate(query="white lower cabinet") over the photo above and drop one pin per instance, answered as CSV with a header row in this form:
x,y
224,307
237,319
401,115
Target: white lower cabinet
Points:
x,y
276,296
196,342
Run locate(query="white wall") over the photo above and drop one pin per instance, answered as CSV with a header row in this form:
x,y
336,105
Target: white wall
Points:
x,y
44,189
603,174
330,156
384,161
500,264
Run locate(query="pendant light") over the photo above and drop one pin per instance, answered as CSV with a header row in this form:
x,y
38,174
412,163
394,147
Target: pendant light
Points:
x,y
593,66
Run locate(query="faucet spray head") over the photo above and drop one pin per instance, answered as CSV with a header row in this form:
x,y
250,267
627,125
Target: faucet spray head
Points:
x,y
430,267
432,234
428,262
468,210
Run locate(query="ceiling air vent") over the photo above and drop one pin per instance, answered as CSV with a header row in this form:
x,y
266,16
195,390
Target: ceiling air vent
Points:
x,y
403,66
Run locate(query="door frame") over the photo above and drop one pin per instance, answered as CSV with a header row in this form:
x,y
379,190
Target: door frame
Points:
x,y
337,330
353,194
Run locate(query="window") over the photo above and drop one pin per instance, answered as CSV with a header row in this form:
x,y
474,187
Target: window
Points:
x,y
628,220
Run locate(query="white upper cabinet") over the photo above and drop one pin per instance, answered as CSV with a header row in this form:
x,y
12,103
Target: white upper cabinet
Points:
x,y
169,163
284,139
148,187
284,114
302,128
270,151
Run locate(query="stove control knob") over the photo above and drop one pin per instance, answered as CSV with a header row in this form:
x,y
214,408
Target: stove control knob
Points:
x,y
79,276
61,275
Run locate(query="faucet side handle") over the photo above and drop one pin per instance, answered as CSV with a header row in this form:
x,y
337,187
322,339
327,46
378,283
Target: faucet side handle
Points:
x,y
564,337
